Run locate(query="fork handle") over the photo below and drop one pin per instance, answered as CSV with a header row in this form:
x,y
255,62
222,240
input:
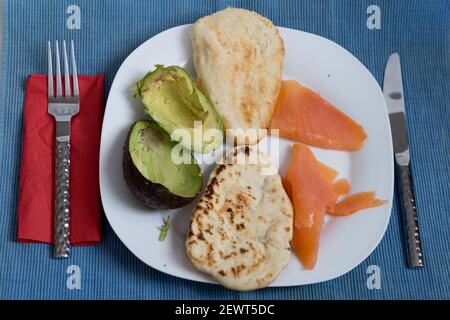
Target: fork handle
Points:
x,y
61,241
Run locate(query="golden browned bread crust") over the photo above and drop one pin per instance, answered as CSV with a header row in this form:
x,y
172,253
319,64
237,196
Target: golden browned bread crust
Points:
x,y
238,57
240,229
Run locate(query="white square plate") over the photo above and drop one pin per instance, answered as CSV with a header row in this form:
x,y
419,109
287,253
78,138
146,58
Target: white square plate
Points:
x,y
318,63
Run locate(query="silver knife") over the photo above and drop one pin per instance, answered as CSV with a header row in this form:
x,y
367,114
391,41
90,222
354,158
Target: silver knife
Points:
x,y
393,93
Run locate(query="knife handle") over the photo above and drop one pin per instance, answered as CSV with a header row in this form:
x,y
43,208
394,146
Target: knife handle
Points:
x,y
61,243
411,223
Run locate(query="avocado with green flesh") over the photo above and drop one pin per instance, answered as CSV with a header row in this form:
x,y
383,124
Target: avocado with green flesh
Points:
x,y
150,173
174,101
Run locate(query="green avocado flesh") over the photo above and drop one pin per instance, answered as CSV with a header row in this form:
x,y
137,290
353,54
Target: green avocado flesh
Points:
x,y
150,148
174,101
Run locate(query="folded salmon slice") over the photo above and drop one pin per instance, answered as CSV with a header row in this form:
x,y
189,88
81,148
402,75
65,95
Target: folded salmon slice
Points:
x,y
304,116
355,202
309,183
314,191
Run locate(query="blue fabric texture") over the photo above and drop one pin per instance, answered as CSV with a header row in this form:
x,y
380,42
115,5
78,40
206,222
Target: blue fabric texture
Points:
x,y
110,30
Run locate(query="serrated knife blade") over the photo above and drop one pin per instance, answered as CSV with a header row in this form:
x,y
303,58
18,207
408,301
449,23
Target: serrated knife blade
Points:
x,y
393,94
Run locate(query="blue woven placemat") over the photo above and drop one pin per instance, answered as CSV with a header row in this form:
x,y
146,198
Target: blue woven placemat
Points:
x,y
110,30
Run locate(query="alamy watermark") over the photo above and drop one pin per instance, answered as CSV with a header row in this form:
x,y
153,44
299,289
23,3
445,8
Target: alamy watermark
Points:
x,y
73,21
374,20
74,278
374,279
250,144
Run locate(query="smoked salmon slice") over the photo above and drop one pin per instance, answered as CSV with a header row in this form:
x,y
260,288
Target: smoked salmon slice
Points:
x,y
287,187
355,202
304,116
329,174
311,192
312,188
341,187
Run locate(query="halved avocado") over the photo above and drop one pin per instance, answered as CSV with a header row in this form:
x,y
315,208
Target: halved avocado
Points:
x,y
150,173
174,101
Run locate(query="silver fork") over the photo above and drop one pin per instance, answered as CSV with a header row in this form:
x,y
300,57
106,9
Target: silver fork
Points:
x,y
62,108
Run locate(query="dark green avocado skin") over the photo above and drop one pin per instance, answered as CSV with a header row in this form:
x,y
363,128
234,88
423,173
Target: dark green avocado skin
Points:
x,y
153,195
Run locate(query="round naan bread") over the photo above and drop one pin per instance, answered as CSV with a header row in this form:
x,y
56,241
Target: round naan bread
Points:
x,y
241,227
238,56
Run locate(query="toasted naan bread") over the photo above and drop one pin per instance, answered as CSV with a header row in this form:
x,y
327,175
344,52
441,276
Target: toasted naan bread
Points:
x,y
241,227
238,56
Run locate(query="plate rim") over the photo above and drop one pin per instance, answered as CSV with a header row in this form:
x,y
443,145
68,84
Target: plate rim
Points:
x,y
306,282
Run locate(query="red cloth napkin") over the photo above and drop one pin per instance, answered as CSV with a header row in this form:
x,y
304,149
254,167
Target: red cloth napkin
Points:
x,y
36,190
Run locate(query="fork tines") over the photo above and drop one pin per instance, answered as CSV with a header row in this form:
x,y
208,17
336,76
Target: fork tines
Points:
x,y
67,87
